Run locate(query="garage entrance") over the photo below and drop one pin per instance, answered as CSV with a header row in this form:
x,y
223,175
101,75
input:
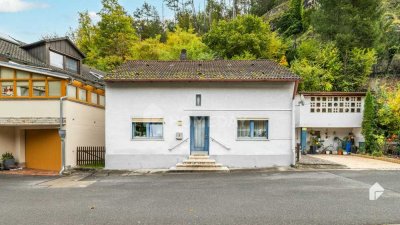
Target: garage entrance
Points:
x,y
43,149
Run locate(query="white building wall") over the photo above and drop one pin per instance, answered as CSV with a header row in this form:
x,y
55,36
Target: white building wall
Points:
x,y
330,125
304,117
85,127
223,103
29,108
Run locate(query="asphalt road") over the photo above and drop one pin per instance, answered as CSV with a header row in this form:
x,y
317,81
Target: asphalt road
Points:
x,y
331,197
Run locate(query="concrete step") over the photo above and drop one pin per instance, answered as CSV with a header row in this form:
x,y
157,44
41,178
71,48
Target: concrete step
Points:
x,y
199,165
199,161
199,169
199,157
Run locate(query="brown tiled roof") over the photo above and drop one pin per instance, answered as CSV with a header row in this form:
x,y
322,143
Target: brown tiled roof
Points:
x,y
14,51
215,70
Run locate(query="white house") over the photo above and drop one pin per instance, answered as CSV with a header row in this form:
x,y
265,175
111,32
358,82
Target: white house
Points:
x,y
328,117
240,113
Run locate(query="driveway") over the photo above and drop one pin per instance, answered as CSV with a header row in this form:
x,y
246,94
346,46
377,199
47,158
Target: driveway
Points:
x,y
305,197
355,162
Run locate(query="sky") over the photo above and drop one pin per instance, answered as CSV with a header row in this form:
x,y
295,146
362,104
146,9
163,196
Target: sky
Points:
x,y
29,20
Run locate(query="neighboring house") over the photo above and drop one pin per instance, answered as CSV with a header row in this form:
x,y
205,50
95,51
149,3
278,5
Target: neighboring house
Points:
x,y
240,113
329,117
35,81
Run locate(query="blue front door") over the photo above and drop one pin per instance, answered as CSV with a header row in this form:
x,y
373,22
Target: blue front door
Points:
x,y
199,134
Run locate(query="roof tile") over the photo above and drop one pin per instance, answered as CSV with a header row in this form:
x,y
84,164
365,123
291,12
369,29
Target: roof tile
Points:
x,y
215,70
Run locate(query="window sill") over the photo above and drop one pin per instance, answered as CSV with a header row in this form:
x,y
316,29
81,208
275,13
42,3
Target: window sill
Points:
x,y
147,139
252,139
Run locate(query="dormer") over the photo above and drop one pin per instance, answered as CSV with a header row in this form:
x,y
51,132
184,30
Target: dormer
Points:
x,y
58,53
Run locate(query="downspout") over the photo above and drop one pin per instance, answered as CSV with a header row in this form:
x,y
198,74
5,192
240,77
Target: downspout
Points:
x,y
293,132
293,125
62,133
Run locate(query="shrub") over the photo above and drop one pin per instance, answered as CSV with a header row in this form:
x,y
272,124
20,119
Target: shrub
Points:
x,y
6,156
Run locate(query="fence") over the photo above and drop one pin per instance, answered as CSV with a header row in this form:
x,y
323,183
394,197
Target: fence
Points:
x,y
90,155
392,148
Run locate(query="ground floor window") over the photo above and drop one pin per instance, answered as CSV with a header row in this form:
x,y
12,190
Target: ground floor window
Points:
x,y
147,128
252,129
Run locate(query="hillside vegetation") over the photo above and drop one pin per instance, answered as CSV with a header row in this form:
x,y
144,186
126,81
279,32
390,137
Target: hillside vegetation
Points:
x,y
332,45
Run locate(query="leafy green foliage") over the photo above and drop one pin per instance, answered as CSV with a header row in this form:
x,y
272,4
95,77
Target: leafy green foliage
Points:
x,y
115,35
154,49
291,23
350,24
147,22
260,7
229,39
318,65
388,110
369,127
6,156
356,69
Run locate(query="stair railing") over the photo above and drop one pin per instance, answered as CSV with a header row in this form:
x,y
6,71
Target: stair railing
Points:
x,y
222,145
170,149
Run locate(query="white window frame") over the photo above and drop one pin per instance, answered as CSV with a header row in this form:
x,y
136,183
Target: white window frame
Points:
x,y
267,138
135,120
52,63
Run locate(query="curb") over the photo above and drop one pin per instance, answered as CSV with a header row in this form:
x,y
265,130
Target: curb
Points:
x,y
386,159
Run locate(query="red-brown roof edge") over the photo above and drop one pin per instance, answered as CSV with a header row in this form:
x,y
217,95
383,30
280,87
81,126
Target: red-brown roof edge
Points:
x,y
333,93
201,80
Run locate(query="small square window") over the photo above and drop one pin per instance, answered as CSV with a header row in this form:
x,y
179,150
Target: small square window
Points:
x,y
39,88
54,88
82,94
22,88
198,100
7,88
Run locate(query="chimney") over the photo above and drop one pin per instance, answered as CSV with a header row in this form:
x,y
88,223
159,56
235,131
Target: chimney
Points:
x,y
183,54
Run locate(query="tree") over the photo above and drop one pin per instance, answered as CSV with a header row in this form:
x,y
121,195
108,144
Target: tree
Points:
x,y
318,65
260,7
291,23
154,49
357,66
115,35
147,22
244,33
350,24
84,37
369,124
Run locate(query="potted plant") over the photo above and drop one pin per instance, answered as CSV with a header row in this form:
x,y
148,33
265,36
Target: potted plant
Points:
x,y
8,160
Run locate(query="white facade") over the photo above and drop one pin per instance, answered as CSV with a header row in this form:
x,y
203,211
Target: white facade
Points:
x,y
332,116
223,103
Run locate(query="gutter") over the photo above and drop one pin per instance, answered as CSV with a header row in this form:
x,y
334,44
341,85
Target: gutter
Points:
x,y
62,133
